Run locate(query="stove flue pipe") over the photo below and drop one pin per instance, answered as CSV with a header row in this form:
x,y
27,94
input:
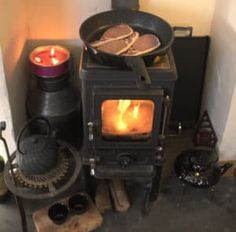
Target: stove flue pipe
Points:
x,y
125,4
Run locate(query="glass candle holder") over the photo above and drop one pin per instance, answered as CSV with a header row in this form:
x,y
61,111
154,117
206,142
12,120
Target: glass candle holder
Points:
x,y
49,61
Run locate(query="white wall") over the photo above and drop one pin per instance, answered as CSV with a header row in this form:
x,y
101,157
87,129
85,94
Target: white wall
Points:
x,y
219,96
183,12
5,112
228,145
13,33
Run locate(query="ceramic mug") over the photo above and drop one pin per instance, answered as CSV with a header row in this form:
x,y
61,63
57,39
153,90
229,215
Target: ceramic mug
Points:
x,y
58,213
78,203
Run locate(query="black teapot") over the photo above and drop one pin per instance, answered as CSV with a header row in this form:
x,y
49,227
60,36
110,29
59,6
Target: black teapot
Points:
x,y
200,168
37,154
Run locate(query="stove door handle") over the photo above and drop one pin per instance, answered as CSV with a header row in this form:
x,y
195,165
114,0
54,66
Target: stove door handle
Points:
x,y
166,109
138,66
90,131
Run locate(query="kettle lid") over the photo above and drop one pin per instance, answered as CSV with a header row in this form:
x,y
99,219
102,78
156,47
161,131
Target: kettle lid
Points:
x,y
34,144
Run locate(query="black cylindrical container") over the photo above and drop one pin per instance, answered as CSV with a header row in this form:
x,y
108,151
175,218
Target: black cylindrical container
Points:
x,y
53,94
58,100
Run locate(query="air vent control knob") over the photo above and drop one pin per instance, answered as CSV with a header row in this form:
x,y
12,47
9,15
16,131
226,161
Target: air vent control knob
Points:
x,y
125,160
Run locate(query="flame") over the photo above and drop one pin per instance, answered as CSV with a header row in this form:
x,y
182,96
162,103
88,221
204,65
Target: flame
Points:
x,y
123,105
52,52
54,61
136,111
37,59
127,117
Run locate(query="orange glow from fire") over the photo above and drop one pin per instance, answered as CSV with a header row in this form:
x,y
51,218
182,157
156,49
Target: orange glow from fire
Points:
x,y
127,117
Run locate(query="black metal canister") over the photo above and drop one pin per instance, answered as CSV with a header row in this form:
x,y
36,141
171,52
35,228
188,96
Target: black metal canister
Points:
x,y
124,4
56,98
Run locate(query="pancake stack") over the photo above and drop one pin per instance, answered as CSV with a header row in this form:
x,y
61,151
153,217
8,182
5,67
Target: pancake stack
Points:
x,y
121,39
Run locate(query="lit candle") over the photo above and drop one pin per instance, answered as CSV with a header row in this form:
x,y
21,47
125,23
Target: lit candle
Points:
x,y
49,61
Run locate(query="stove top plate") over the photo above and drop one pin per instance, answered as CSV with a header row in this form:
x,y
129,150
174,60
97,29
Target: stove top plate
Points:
x,y
160,62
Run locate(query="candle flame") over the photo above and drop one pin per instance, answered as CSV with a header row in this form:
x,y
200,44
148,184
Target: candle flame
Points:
x,y
52,52
55,61
37,59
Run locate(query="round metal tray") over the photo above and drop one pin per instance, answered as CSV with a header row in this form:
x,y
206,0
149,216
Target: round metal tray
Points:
x,y
50,184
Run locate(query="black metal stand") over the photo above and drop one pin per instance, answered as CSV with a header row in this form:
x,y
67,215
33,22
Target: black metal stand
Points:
x,y
17,199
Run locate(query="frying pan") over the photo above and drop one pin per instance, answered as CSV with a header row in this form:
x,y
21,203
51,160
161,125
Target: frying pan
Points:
x,y
93,28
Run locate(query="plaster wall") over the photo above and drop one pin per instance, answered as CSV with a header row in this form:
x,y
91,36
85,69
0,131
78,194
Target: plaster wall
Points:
x,y
197,14
59,19
13,34
219,94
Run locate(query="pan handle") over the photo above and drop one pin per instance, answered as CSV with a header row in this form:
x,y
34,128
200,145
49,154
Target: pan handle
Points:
x,y
138,66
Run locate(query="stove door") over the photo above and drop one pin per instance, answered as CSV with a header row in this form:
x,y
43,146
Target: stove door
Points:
x,y
126,117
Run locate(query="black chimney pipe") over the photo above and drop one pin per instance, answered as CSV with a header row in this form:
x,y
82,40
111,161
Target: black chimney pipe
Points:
x,y
125,4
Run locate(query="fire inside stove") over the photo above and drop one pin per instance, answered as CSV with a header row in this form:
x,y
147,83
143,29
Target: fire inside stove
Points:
x,y
127,118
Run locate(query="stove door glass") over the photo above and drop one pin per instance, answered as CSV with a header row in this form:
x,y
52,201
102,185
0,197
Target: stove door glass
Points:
x,y
127,119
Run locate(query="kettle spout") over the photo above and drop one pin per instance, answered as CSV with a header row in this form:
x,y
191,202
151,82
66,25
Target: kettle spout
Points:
x,y
225,167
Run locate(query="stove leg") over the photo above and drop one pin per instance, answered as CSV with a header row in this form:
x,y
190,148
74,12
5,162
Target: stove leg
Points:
x,y
152,191
156,183
147,204
212,194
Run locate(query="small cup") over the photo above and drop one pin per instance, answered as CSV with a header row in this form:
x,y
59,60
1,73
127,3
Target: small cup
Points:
x,y
78,203
58,213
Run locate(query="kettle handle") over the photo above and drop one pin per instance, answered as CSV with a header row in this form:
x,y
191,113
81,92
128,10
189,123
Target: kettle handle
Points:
x,y
36,118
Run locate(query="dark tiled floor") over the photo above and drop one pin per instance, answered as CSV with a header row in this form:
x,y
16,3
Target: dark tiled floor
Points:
x,y
178,208
191,210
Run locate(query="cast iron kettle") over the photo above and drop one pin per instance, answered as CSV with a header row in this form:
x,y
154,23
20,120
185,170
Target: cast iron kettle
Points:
x,y
37,154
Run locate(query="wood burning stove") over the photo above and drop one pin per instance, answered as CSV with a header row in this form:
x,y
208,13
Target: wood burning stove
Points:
x,y
125,122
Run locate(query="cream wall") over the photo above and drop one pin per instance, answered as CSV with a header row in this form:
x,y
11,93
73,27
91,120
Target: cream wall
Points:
x,y
219,94
60,19
183,12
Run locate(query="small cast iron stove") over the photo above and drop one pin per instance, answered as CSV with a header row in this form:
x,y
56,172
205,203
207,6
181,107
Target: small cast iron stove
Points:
x,y
124,124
